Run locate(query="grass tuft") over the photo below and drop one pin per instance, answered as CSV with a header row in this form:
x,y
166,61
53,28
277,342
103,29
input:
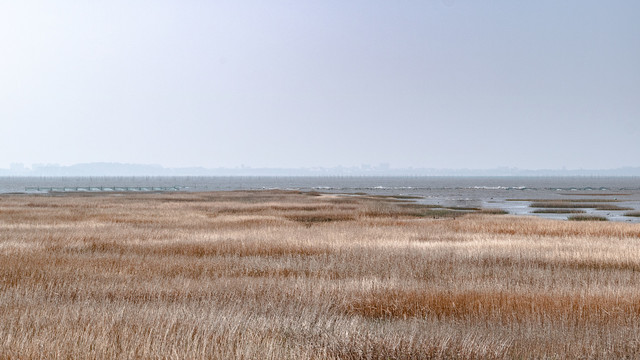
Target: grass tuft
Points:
x,y
558,211
587,218
565,204
570,201
493,211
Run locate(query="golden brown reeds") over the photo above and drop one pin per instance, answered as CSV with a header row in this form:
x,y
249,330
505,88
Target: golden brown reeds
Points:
x,y
289,275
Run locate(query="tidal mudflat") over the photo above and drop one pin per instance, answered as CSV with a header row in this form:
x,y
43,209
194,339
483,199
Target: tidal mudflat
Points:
x,y
287,274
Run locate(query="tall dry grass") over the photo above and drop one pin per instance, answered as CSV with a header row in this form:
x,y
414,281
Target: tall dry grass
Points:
x,y
285,275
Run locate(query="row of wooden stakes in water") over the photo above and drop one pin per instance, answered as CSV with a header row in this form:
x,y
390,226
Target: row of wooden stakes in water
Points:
x,y
102,188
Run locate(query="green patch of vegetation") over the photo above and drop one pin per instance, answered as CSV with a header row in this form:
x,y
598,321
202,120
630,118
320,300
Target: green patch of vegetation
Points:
x,y
568,200
587,218
604,194
612,207
558,211
633,214
565,204
493,211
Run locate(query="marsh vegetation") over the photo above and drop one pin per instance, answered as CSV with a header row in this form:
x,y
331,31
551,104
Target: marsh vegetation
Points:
x,y
277,275
587,218
577,205
558,211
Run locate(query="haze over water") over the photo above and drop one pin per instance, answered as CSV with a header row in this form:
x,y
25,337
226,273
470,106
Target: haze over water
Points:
x,y
443,84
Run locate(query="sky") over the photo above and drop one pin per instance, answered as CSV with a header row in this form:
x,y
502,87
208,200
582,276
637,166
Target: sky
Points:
x,y
318,83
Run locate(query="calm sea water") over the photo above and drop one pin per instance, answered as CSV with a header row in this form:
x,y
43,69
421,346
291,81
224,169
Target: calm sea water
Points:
x,y
486,192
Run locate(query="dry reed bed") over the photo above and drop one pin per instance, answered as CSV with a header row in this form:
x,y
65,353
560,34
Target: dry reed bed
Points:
x,y
281,275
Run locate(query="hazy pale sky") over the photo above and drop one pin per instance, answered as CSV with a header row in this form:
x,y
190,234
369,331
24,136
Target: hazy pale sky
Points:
x,y
431,83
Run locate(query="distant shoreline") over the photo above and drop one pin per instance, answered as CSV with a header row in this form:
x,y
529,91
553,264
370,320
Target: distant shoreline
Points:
x,y
143,170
